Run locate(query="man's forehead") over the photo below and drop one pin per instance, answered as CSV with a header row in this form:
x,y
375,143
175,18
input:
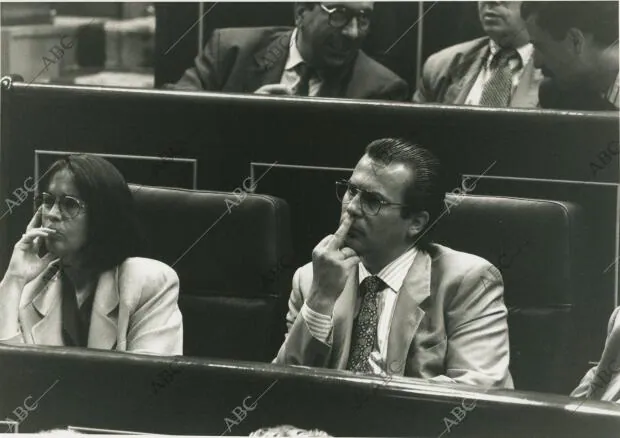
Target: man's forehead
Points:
x,y
358,6
378,176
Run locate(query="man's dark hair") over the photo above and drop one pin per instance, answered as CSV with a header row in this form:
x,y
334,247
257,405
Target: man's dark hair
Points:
x,y
428,187
597,18
113,232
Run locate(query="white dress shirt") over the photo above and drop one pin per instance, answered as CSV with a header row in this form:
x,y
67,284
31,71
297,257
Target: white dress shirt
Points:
x,y
393,275
290,77
516,65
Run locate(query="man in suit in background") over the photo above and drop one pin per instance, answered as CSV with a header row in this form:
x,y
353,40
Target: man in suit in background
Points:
x,y
496,70
576,46
602,382
379,297
321,56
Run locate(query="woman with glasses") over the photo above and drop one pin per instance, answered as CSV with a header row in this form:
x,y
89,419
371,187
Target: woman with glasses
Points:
x,y
74,278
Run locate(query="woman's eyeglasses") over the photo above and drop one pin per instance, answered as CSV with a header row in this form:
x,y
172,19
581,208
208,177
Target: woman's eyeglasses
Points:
x,y
370,203
69,206
340,16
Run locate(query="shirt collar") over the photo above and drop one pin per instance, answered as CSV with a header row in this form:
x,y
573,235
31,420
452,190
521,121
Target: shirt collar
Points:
x,y
525,52
395,272
294,57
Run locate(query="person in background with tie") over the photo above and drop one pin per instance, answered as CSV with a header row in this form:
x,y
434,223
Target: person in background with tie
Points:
x,y
496,70
380,297
321,56
577,50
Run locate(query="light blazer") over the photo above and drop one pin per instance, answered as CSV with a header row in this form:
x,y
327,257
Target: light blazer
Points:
x,y
134,309
244,59
449,322
448,75
602,382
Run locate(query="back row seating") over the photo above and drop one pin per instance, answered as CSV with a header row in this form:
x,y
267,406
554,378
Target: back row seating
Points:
x,y
231,256
232,261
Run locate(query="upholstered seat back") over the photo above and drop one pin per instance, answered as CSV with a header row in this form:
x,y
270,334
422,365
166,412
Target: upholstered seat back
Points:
x,y
536,245
232,257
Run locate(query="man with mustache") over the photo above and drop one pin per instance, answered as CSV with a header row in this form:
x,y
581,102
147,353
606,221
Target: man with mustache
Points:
x,y
576,46
496,70
321,56
379,297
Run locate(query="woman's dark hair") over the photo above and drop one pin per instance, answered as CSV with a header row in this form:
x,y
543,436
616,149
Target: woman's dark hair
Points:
x,y
113,230
428,186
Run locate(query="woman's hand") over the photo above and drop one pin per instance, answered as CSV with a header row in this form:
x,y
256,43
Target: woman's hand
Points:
x,y
25,264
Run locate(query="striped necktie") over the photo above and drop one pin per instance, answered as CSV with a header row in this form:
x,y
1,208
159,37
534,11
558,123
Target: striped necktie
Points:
x,y
498,88
364,335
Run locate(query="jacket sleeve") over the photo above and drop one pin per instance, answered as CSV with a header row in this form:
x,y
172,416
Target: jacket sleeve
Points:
x,y
597,377
206,72
478,351
424,91
300,347
396,91
156,325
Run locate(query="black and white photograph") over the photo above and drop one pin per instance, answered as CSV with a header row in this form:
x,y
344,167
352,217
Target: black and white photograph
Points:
x,y
310,219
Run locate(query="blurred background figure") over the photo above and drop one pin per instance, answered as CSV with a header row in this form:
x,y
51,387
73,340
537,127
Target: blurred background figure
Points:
x,y
577,49
321,56
79,43
496,70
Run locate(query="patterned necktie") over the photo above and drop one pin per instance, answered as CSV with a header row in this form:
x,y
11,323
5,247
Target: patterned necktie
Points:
x,y
364,335
498,88
305,73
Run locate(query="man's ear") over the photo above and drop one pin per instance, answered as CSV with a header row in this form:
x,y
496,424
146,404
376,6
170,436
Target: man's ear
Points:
x,y
300,9
418,223
576,40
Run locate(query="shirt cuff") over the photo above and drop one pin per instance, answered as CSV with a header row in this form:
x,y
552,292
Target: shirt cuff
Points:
x,y
320,325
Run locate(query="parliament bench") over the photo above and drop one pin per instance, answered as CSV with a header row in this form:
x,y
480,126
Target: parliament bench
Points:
x,y
179,395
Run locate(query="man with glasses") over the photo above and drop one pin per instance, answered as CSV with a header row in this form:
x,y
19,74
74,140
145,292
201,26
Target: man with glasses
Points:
x,y
321,56
380,297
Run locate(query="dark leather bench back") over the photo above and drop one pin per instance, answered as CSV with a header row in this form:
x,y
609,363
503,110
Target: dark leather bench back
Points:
x,y
188,396
231,256
537,246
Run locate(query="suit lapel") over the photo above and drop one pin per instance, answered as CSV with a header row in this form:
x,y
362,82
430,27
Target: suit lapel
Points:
x,y
104,316
269,63
526,94
465,75
42,315
407,312
343,321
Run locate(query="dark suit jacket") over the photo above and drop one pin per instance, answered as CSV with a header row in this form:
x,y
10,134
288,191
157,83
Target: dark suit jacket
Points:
x,y
244,59
448,75
449,322
575,98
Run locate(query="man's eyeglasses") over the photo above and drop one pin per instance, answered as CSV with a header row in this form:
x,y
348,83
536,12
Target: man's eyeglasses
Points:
x,y
370,203
340,16
69,206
